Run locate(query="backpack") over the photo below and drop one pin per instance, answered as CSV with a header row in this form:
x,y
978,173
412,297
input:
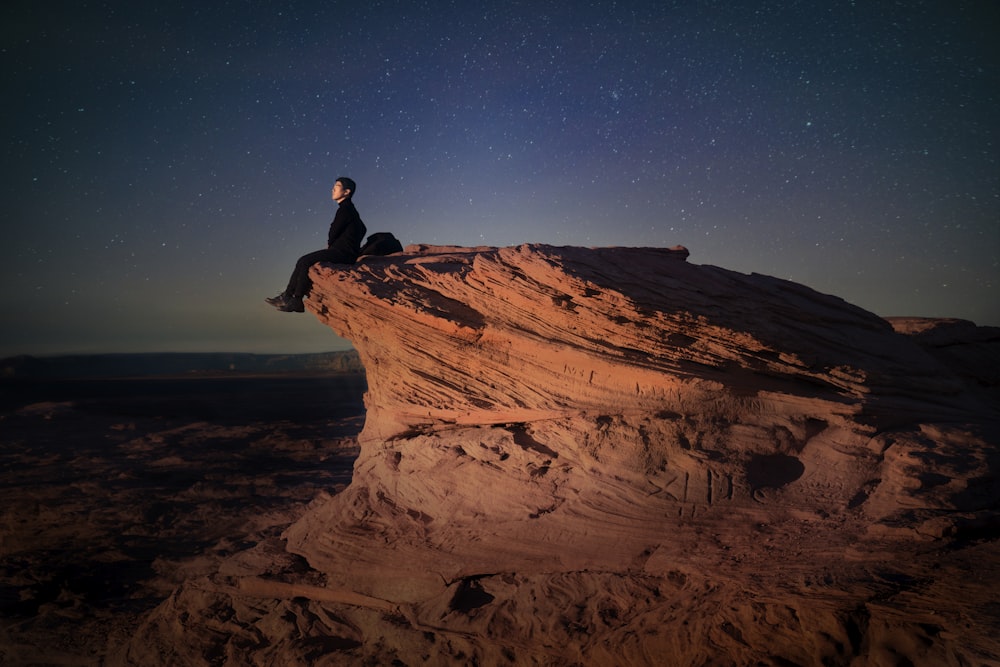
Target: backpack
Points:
x,y
381,243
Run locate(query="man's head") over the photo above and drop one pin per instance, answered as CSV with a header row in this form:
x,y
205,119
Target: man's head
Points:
x,y
343,189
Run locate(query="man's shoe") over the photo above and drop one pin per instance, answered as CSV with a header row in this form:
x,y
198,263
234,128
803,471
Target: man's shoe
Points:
x,y
276,300
292,305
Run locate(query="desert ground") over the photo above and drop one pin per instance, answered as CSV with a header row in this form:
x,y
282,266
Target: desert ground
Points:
x,y
113,491
120,495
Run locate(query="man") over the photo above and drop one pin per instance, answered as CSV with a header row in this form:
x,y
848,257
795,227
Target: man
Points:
x,y
342,247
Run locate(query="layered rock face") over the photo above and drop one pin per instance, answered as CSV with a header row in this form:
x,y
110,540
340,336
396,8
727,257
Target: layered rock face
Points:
x,y
616,456
537,408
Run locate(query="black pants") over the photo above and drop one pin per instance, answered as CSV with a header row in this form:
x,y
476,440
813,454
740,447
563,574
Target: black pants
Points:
x,y
300,283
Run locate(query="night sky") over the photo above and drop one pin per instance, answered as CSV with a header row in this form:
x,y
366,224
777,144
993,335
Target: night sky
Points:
x,y
164,166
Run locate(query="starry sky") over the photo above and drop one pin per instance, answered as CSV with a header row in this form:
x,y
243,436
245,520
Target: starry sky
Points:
x,y
166,163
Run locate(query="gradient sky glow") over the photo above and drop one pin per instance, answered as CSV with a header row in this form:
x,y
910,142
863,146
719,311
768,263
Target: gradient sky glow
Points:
x,y
164,166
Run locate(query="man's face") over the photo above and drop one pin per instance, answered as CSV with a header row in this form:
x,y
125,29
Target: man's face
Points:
x,y
339,193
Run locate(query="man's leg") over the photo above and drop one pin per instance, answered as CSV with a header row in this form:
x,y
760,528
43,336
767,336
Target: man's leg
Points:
x,y
300,284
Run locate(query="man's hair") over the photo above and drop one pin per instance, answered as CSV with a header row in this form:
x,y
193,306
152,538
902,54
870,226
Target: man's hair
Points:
x,y
348,184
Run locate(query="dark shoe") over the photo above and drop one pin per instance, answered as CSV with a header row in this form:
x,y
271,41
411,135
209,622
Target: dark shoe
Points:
x,y
276,300
292,305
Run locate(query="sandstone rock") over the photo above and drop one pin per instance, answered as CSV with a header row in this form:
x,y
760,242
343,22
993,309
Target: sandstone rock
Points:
x,y
537,409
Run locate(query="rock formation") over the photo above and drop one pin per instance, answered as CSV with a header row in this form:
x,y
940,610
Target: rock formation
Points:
x,y
616,456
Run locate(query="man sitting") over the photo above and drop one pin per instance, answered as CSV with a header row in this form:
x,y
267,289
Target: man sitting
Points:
x,y
342,247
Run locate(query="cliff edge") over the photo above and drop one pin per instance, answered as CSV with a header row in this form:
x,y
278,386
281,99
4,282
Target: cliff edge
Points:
x,y
537,408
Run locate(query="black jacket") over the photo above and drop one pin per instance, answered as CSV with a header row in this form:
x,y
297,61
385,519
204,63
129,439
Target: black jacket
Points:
x,y
346,232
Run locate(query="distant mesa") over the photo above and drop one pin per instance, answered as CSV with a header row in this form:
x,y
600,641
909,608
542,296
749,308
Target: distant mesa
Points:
x,y
174,364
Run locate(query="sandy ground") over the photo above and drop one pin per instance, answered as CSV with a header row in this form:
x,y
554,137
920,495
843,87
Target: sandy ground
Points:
x,y
114,491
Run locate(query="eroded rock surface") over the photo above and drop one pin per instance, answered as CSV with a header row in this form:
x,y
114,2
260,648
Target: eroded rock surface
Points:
x,y
616,456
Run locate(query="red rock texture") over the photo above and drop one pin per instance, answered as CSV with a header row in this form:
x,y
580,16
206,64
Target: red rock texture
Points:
x,y
537,405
